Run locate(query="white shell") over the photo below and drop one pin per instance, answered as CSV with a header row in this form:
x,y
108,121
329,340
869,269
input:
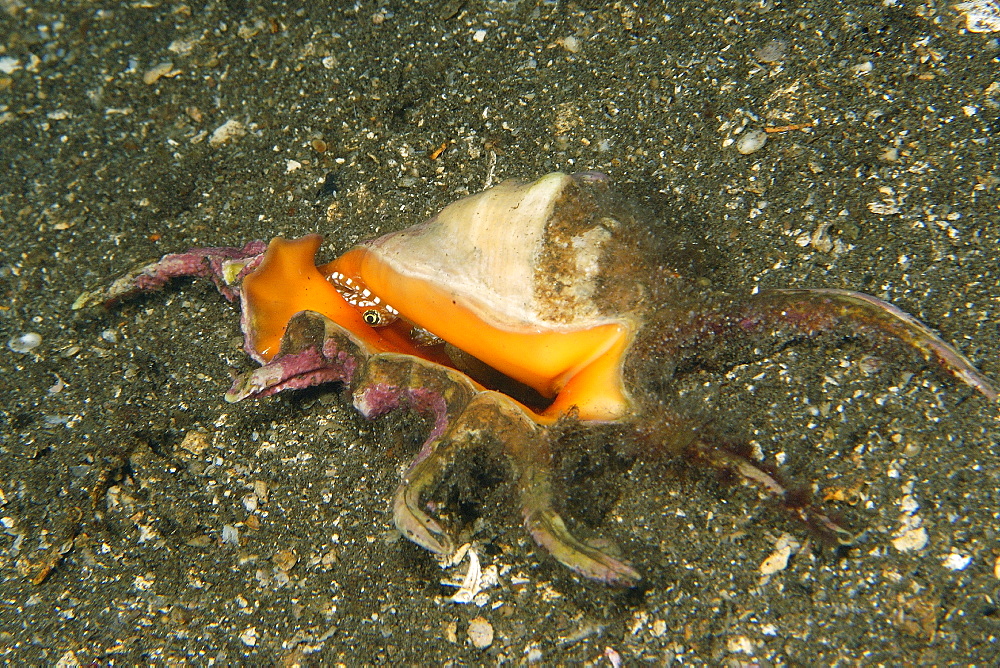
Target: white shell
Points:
x,y
519,255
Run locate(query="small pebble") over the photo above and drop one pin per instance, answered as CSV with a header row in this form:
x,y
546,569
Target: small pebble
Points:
x,y
195,442
68,660
911,540
571,43
151,76
285,560
249,636
9,64
751,142
451,632
480,633
772,52
890,154
863,68
250,502
24,343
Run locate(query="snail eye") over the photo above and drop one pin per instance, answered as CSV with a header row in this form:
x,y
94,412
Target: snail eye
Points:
x,y
372,317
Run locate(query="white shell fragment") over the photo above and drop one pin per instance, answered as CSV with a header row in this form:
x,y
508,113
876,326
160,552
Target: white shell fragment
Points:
x,y
981,15
470,588
863,68
883,208
230,535
249,636
751,141
470,585
24,343
570,43
956,561
9,65
227,132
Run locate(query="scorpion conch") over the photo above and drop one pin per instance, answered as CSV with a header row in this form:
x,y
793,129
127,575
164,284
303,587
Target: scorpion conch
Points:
x,y
514,309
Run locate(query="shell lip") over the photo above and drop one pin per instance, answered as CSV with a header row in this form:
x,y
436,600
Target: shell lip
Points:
x,y
572,364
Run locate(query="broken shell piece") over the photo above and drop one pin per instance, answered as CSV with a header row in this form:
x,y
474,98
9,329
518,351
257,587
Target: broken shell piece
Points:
x,y
227,132
157,72
981,15
783,550
456,557
751,142
24,343
470,585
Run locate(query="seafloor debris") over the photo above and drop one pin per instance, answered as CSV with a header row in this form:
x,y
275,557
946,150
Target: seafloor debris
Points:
x,y
981,15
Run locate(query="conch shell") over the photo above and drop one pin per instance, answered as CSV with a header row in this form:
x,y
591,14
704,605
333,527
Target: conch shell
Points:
x,y
516,281
507,311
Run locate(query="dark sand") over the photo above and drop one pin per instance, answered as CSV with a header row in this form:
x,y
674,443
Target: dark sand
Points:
x,y
893,192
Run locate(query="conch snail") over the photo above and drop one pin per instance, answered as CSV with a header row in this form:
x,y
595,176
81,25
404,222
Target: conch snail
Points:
x,y
519,308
